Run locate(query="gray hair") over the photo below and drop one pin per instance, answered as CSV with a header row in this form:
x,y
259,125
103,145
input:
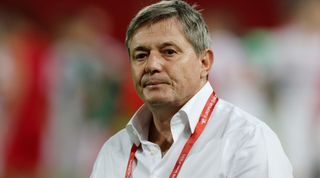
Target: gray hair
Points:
x,y
194,27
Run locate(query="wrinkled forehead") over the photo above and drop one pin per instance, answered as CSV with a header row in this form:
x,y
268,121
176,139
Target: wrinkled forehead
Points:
x,y
163,26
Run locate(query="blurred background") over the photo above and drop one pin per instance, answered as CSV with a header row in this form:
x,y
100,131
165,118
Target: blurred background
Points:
x,y
65,83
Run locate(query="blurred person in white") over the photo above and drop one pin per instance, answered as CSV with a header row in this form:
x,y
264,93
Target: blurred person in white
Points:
x,y
243,86
297,70
84,74
183,129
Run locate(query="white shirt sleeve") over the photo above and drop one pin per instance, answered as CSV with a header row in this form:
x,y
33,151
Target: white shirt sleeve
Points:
x,y
260,155
102,167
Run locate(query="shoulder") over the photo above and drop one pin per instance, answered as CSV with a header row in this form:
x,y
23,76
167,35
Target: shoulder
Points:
x,y
245,130
112,155
252,143
119,142
238,121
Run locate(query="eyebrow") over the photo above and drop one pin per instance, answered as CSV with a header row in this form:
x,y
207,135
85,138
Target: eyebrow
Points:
x,y
140,48
168,43
162,45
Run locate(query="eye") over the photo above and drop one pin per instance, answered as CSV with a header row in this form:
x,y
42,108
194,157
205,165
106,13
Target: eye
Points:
x,y
140,56
170,52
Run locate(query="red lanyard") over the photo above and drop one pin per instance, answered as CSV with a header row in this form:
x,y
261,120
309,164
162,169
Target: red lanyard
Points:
x,y
203,120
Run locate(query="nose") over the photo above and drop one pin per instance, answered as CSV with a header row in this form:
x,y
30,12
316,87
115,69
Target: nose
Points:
x,y
154,63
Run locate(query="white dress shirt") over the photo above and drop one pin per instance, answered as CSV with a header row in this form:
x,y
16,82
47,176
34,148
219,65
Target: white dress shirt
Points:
x,y
234,144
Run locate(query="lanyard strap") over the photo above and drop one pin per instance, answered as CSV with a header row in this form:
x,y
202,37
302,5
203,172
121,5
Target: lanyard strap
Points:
x,y
130,162
202,122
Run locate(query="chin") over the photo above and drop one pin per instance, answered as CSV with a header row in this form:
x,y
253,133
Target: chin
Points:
x,y
157,101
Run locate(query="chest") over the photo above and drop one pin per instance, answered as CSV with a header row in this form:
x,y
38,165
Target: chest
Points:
x,y
204,160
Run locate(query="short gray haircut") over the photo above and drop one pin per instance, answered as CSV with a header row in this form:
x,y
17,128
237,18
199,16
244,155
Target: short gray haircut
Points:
x,y
194,27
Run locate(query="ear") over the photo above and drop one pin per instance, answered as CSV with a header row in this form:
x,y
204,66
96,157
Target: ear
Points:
x,y
206,62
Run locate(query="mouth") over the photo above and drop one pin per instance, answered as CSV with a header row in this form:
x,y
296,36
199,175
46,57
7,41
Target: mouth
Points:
x,y
153,83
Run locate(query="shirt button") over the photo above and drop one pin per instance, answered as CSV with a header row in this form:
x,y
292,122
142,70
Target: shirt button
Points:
x,y
153,152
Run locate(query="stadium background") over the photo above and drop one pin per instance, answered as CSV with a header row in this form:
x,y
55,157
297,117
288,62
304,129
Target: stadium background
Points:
x,y
65,82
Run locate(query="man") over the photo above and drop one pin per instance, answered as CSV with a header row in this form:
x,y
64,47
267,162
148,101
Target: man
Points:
x,y
183,129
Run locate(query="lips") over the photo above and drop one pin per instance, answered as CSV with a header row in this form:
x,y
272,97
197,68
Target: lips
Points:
x,y
152,81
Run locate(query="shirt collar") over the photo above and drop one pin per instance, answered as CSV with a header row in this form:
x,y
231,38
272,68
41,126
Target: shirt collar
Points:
x,y
138,126
194,106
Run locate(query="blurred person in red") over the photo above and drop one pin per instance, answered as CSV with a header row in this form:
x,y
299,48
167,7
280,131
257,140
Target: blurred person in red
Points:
x,y
6,86
183,129
24,46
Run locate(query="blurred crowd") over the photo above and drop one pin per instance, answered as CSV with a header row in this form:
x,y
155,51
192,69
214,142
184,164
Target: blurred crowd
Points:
x,y
64,92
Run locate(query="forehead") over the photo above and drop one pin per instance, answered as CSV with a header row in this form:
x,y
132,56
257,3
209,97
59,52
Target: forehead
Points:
x,y
156,33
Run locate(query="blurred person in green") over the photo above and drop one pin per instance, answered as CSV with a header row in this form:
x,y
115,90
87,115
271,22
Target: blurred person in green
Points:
x,y
84,74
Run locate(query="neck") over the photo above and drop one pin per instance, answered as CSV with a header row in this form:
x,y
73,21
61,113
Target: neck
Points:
x,y
160,130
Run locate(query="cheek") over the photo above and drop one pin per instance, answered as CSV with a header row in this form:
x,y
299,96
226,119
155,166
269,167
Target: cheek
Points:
x,y
191,71
135,75
181,76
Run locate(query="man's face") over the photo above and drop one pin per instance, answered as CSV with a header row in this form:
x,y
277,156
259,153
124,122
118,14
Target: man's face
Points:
x,y
165,68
